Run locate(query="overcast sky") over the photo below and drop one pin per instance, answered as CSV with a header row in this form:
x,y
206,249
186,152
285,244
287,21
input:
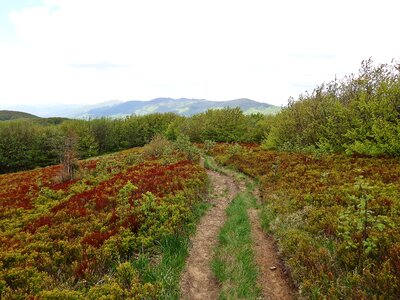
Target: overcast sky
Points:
x,y
90,51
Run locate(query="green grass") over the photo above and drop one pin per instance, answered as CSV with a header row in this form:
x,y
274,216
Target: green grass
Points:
x,y
233,263
165,266
210,164
266,217
166,272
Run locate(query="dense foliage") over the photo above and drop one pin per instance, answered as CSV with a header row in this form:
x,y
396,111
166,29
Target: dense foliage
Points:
x,y
335,218
25,144
359,114
80,239
224,125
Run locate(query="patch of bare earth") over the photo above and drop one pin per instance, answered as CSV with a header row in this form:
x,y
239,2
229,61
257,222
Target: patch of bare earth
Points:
x,y
272,278
198,281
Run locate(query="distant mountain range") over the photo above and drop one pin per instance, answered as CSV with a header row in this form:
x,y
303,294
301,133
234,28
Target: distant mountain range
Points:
x,y
182,106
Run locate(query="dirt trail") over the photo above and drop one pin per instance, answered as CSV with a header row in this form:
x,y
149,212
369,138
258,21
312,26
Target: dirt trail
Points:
x,y
272,279
198,281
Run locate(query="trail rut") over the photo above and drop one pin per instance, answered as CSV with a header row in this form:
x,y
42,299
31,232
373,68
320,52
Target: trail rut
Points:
x,y
198,281
272,280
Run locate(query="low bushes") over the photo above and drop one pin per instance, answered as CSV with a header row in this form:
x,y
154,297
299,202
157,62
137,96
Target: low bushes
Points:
x,y
335,218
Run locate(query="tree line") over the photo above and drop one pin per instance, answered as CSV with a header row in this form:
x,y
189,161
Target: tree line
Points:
x,y
30,143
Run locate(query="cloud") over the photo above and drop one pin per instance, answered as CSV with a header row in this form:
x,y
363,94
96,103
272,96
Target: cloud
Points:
x,y
98,66
93,51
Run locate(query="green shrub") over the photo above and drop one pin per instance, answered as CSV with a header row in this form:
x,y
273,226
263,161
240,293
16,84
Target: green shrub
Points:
x,y
158,147
61,294
184,145
357,115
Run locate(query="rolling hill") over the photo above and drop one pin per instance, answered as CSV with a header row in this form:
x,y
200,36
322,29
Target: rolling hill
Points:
x,y
182,106
116,108
6,115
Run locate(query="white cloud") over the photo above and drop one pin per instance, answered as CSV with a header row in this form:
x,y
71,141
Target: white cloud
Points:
x,y
92,51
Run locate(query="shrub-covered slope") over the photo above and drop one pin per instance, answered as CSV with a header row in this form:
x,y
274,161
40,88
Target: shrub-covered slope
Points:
x,y
335,218
89,237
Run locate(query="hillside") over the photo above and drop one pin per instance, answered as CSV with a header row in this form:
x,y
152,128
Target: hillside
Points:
x,y
6,115
182,106
301,204
116,108
124,224
85,229
334,218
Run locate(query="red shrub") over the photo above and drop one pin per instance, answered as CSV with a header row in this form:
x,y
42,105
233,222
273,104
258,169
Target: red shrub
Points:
x,y
42,221
97,238
82,268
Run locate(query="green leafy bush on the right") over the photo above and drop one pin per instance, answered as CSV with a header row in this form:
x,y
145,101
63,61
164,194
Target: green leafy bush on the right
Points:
x,y
359,114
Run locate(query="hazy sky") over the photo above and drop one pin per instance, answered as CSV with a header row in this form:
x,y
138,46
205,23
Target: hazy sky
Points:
x,y
89,51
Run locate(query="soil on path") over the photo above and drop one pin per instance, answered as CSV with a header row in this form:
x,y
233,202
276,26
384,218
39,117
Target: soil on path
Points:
x,y
198,281
272,279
